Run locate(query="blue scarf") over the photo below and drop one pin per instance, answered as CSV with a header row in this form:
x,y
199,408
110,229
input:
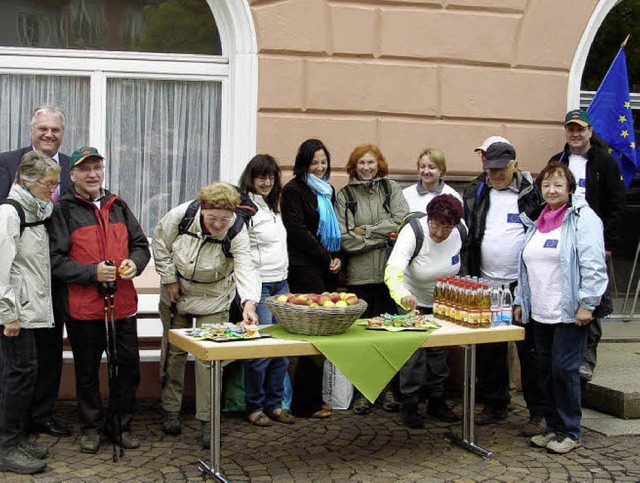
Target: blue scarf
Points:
x,y
328,228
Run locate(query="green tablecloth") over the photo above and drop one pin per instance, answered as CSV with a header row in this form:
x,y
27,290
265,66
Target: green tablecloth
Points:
x,y
369,358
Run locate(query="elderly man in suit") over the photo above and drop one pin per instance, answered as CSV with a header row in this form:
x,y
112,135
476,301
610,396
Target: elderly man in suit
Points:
x,y
47,132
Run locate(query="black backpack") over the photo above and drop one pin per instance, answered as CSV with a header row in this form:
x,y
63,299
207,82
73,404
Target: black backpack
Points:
x,y
243,212
20,210
351,204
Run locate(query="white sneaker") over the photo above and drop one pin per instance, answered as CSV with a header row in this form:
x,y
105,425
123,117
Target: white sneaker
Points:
x,y
563,446
542,440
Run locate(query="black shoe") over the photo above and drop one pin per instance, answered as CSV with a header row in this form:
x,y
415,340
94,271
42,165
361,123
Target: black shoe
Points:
x,y
439,410
51,428
586,372
361,405
491,415
411,416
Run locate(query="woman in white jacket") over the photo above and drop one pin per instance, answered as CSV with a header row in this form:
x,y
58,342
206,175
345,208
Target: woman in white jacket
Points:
x,y
25,303
264,378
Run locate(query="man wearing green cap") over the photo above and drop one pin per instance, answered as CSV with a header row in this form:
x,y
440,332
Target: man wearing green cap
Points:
x,y
599,181
97,248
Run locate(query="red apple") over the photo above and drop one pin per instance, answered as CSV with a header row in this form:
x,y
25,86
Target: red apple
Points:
x,y
313,297
323,298
302,299
335,297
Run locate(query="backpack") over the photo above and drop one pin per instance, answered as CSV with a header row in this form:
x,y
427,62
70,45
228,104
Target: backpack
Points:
x,y
20,210
351,204
413,220
243,212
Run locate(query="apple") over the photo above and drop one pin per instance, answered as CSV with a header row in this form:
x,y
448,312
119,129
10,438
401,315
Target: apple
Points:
x,y
323,298
302,299
351,299
313,304
341,303
282,298
291,300
328,303
335,296
343,295
313,297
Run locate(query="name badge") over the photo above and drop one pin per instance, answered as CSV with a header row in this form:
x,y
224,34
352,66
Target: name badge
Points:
x,y
582,183
550,244
513,218
455,259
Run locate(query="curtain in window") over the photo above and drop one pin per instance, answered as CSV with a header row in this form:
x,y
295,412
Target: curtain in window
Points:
x,y
163,143
21,94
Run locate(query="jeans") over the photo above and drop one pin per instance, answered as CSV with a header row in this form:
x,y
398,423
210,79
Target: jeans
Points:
x,y
264,379
18,376
560,350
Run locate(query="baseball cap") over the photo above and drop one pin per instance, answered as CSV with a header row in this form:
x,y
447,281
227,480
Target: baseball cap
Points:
x,y
578,116
498,156
489,141
79,155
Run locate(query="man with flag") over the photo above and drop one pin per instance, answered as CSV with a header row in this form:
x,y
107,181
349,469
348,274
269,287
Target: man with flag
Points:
x,y
599,181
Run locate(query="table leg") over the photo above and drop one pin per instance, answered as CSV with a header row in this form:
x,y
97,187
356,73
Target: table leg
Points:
x,y
467,440
213,467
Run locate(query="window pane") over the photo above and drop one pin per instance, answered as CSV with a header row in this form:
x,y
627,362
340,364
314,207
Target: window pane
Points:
x,y
163,143
170,26
21,94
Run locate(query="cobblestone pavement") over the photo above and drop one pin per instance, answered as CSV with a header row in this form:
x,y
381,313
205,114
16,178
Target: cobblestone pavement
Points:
x,y
346,447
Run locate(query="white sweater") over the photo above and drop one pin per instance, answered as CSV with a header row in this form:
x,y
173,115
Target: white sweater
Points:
x,y
268,238
418,198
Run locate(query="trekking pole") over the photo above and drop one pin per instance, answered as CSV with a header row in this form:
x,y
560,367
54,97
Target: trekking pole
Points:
x,y
117,397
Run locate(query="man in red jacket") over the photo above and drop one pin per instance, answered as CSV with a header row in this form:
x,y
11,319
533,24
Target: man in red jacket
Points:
x,y
97,248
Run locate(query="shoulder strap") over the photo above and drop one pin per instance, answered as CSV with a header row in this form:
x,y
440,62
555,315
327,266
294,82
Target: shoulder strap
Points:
x,y
231,234
463,232
419,233
188,217
20,210
351,201
386,204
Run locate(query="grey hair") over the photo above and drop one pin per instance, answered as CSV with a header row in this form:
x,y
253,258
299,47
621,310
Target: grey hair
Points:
x,y
51,109
35,165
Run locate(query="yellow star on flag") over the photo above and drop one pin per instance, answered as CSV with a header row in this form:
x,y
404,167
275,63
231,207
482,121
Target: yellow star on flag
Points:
x,y
609,150
624,133
633,145
627,105
622,119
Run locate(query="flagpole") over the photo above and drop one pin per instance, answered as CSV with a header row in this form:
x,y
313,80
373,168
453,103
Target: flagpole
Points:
x,y
624,44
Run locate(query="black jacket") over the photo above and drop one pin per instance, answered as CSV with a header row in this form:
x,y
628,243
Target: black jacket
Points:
x,y
476,206
605,190
9,162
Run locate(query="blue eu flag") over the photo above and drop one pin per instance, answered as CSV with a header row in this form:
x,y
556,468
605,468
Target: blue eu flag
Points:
x,y
610,112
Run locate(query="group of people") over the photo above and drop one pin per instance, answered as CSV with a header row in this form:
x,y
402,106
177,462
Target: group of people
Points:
x,y
72,249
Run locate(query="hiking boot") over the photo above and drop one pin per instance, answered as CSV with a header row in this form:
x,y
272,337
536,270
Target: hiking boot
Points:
x,y
171,424
586,372
542,440
390,402
361,405
564,445
534,426
411,416
90,443
17,460
491,415
205,434
33,449
129,441
438,409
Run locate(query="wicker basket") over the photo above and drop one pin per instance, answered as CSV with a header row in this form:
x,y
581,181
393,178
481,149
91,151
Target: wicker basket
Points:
x,y
305,320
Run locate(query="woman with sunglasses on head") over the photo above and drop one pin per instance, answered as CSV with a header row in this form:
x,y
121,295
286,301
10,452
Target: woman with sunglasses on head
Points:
x,y
411,281
313,243
25,304
265,379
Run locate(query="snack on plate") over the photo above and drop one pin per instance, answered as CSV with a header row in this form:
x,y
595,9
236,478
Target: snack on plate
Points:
x,y
415,321
225,330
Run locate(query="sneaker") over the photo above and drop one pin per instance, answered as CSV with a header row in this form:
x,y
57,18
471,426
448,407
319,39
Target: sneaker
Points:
x,y
491,415
438,409
534,426
33,449
17,460
586,372
564,445
411,416
171,423
542,440
90,443
390,402
205,434
361,405
129,441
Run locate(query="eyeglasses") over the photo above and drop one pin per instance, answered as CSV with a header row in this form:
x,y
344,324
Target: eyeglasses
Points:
x,y
88,169
213,219
444,229
263,179
52,185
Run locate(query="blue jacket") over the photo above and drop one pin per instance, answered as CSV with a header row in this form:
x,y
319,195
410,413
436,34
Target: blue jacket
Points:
x,y
582,260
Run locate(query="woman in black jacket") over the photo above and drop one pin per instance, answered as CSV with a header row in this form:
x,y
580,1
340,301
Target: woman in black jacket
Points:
x,y
313,242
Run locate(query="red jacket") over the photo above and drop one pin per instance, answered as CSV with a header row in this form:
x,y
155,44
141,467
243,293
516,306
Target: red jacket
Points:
x,y
81,236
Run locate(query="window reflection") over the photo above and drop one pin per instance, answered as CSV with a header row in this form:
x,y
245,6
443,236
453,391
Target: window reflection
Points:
x,y
167,26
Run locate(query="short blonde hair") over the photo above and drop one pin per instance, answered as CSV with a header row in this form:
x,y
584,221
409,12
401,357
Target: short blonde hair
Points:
x,y
219,195
35,165
436,156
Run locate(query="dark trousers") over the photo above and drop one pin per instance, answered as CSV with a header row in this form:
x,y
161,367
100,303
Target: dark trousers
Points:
x,y
49,350
560,350
593,338
18,376
88,342
378,299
